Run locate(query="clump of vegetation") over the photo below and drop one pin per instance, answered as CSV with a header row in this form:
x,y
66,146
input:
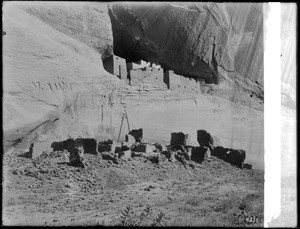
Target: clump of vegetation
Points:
x,y
131,217
193,201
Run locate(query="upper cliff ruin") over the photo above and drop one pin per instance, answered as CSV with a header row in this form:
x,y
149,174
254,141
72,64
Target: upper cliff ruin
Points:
x,y
193,39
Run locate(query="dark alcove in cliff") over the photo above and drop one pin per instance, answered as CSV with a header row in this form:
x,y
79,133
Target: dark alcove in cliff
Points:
x,y
158,44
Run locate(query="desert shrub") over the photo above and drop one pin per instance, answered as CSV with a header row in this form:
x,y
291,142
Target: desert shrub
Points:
x,y
226,205
193,201
131,217
244,205
158,220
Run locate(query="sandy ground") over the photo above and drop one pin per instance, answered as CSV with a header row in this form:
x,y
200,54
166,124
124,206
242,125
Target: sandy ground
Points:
x,y
47,191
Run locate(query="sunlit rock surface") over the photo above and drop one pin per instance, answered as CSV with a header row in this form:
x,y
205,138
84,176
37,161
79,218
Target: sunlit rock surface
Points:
x,y
89,23
54,83
52,67
193,39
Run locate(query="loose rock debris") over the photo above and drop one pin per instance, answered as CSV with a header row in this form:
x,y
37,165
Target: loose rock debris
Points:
x,y
96,180
180,149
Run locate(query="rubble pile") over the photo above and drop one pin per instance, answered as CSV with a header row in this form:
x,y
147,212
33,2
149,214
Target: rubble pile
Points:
x,y
233,156
180,149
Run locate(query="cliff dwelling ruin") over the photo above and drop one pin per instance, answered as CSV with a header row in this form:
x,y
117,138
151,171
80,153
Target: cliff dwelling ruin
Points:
x,y
142,72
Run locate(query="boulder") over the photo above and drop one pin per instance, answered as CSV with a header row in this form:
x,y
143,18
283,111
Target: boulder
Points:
x,y
207,153
177,138
103,148
158,146
177,147
128,144
181,158
129,139
144,148
167,154
58,146
108,156
76,157
27,153
89,145
220,152
247,166
204,138
237,157
172,156
124,154
163,148
140,148
183,154
232,156
150,148
63,145
187,140
153,157
189,151
198,154
69,144
137,134
124,147
116,147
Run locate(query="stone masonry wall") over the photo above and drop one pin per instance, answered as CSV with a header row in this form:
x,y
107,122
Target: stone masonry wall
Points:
x,y
180,83
148,75
145,73
116,65
120,68
172,80
137,65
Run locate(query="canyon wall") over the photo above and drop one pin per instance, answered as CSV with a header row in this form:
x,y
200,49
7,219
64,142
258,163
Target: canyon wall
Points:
x,y
193,39
54,83
52,68
86,22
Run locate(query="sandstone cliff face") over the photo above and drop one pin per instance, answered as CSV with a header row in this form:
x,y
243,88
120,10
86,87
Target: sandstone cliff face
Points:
x,y
52,68
87,22
55,83
193,39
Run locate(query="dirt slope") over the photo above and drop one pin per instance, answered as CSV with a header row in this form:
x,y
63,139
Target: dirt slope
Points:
x,y
47,191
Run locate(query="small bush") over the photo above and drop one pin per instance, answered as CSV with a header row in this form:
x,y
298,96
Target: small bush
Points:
x,y
193,202
130,217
